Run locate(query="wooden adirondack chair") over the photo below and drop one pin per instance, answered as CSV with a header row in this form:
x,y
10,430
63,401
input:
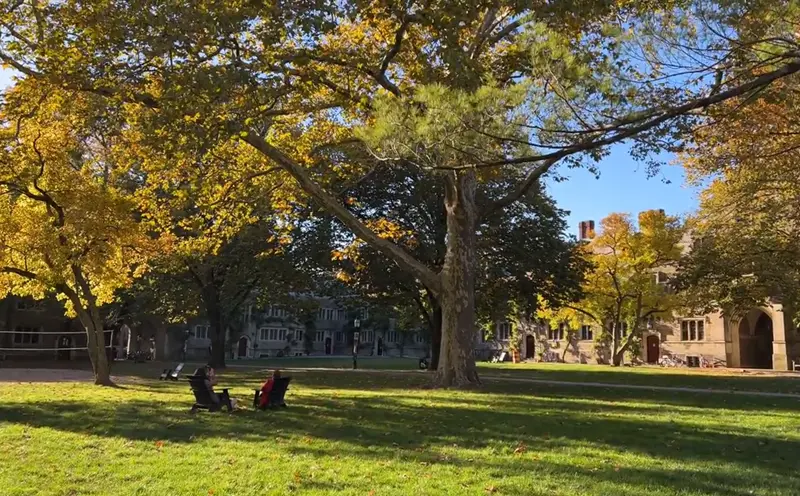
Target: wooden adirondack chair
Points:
x,y
276,396
203,398
171,374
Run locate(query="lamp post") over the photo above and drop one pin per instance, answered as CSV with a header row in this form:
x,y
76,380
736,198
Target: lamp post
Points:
x,y
356,324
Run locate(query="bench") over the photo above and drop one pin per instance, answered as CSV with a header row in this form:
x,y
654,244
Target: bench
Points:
x,y
171,374
203,399
276,395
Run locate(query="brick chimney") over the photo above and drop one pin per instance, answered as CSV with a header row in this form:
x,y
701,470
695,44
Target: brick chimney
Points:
x,y
585,230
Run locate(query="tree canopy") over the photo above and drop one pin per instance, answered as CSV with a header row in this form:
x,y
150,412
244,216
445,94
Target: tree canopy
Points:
x,y
626,287
746,247
67,225
460,90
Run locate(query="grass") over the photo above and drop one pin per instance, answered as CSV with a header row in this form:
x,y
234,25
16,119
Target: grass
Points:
x,y
721,378
729,379
381,434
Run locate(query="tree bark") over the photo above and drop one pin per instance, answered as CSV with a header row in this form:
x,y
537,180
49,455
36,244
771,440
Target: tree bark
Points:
x,y
616,354
457,298
217,327
95,343
89,315
436,332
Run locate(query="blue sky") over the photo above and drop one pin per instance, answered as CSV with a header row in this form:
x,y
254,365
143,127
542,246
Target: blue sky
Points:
x,y
623,186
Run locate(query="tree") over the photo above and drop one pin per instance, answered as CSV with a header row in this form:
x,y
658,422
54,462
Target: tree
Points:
x,y
522,251
66,226
458,89
623,291
746,249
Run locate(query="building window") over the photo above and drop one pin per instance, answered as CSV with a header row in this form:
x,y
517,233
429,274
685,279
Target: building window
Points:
x,y
340,337
201,331
586,333
276,312
419,338
320,336
623,329
503,331
271,334
367,336
26,335
556,334
693,330
391,337
330,314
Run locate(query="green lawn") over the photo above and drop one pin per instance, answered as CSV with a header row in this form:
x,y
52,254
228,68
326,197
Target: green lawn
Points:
x,y
721,378
731,379
381,433
366,363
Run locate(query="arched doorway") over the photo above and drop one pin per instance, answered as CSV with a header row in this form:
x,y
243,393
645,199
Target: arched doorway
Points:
x,y
242,349
530,346
64,343
755,341
327,346
652,348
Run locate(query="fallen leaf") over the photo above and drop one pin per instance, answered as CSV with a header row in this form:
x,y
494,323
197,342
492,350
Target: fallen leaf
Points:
x,y
616,468
521,448
491,489
372,493
159,444
297,477
210,492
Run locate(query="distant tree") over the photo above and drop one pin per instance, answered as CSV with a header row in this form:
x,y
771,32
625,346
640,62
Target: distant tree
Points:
x,y
621,291
746,247
522,250
66,225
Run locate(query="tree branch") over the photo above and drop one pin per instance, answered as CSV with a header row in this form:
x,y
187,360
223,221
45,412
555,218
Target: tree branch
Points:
x,y
647,122
400,256
522,188
20,272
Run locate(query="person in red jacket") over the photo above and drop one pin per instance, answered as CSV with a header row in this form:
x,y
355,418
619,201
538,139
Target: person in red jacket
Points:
x,y
263,400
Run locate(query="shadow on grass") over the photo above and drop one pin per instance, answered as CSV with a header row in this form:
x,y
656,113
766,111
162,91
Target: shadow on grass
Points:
x,y
376,416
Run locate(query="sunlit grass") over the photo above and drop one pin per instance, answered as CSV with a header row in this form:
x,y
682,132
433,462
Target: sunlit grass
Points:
x,y
381,433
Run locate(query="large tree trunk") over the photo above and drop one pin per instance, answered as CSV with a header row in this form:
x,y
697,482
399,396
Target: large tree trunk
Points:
x,y
216,322
217,328
436,332
457,298
89,315
616,354
95,342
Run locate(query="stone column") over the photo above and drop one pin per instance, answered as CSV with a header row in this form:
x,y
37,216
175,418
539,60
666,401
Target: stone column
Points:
x,y
780,359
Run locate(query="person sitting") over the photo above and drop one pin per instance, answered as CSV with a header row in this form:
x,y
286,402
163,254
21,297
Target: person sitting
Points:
x,y
210,376
266,389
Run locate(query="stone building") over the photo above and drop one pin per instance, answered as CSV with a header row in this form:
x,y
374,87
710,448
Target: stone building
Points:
x,y
762,338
